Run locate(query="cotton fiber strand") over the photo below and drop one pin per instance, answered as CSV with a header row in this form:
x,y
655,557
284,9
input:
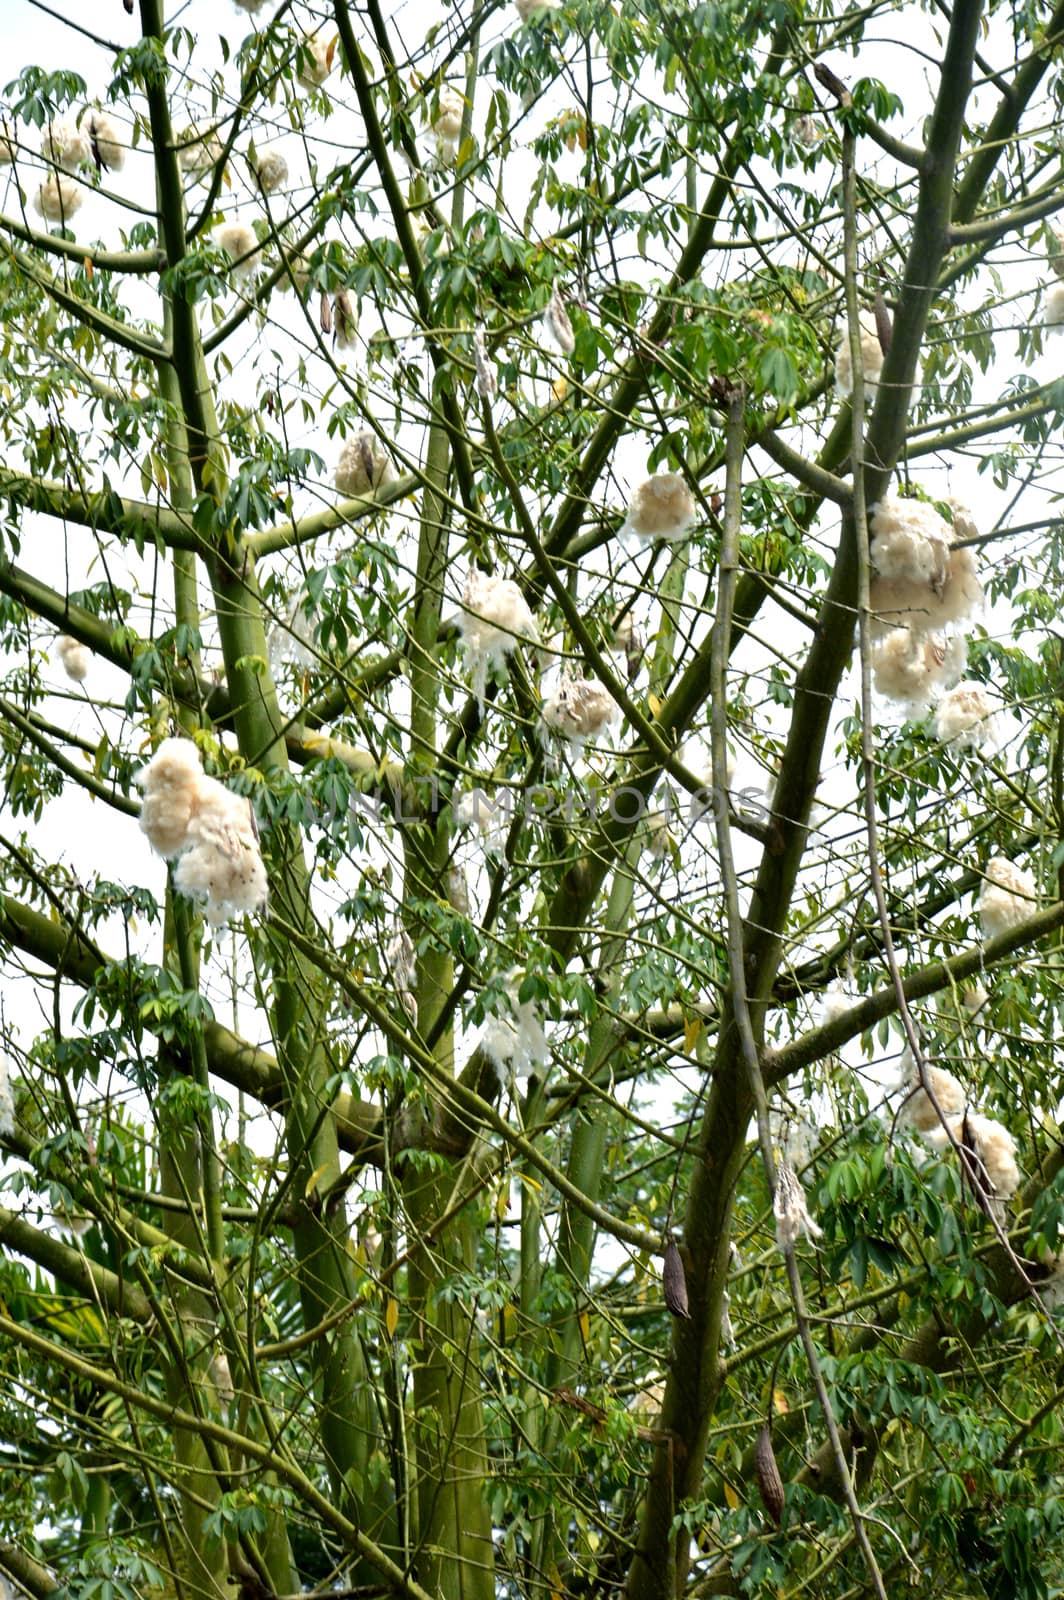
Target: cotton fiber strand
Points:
x,y
364,465
199,151
74,656
918,1110
1053,310
58,198
105,141
790,1209
966,719
991,1166
66,144
871,357
240,243
448,124
661,508
253,7
493,619
579,709
317,60
974,998
271,169
1008,897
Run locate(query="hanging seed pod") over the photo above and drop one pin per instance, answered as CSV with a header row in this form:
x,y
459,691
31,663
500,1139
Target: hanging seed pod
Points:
x,y
325,316
768,1475
884,323
674,1281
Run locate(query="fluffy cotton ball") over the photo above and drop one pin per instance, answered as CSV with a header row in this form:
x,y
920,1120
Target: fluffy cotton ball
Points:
x,y
526,9
834,1003
661,508
58,198
1055,249
8,143
493,618
316,61
1053,310
871,357
66,144
401,961
223,865
448,124
974,998
991,1166
908,667
790,1209
1008,897
74,656
557,324
7,1101
241,245
170,782
293,638
579,709
902,603
918,1110
966,719
364,465
106,141
199,150
515,1041
909,540
271,169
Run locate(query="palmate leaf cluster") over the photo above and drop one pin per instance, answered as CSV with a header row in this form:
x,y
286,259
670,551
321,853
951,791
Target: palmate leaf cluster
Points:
x,y
333,1236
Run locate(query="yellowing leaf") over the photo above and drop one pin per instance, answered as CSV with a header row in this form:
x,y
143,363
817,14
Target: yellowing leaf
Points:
x,y
655,705
391,1317
315,1179
89,269
731,1497
560,387
502,1200
692,1032
554,1578
779,1401
585,1326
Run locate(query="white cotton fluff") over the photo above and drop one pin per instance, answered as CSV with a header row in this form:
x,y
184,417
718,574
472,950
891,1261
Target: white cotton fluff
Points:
x,y
240,243
1008,897
515,1041
345,320
58,198
1055,248
364,465
66,144
908,667
491,818
106,141
661,508
579,709
8,143
199,150
918,1111
966,718
271,169
649,1401
448,124
556,321
871,357
494,617
1053,310
974,998
170,783
293,639
207,827
790,1209
222,866
74,656
253,7
401,961
834,1003
317,59
298,274
994,1166
526,9
7,1101
909,540
487,382
919,607
456,888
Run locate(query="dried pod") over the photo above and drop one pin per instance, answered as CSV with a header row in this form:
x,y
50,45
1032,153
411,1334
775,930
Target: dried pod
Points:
x,y
884,323
768,1475
674,1281
325,316
833,84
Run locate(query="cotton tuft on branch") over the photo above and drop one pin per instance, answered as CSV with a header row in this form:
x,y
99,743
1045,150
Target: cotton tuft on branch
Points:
x,y
579,709
966,718
58,198
661,508
871,357
400,959
1008,897
556,321
909,667
66,144
241,244
514,1041
199,151
527,9
491,818
317,60
271,169
364,465
487,383
8,144
345,320
1053,310
105,140
989,1155
790,1209
919,1110
922,581
7,1100
74,656
493,619
448,124
170,783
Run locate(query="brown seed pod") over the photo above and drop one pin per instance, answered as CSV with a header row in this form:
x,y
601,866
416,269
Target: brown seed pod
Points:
x,y
884,324
325,316
674,1281
768,1475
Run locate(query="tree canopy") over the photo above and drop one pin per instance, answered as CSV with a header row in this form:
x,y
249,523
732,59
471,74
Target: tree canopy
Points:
x,y
533,773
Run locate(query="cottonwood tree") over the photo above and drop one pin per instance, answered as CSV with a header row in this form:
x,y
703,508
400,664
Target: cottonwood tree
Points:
x,y
577,484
